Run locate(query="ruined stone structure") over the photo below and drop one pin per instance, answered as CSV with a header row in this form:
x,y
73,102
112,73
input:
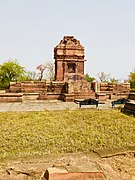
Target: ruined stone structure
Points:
x,y
67,91
69,81
69,60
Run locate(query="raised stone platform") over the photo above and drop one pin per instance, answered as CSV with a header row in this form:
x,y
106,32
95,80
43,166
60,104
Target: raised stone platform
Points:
x,y
30,96
11,97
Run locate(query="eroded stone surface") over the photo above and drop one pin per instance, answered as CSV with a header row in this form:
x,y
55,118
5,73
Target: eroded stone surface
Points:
x,y
113,168
69,60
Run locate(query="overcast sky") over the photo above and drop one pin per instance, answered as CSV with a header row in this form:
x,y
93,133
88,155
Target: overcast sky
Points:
x,y
30,29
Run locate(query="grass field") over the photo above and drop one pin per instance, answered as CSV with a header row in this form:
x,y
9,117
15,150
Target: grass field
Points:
x,y
39,133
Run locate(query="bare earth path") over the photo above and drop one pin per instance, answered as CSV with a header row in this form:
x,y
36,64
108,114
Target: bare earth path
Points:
x,y
46,105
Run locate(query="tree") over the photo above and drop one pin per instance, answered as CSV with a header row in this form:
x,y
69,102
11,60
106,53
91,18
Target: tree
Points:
x,y
103,77
10,71
41,69
50,71
132,78
88,78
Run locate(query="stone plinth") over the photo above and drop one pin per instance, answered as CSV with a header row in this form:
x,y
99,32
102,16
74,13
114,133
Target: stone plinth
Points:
x,y
79,87
68,97
30,96
69,60
50,96
101,97
11,97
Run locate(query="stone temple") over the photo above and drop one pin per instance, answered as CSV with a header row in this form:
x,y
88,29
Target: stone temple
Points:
x,y
69,60
69,81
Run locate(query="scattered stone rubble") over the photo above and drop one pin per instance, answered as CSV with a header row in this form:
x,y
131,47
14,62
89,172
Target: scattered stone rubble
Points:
x,y
71,167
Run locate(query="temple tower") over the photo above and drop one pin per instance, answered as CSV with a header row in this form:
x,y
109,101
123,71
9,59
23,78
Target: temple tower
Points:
x,y
69,60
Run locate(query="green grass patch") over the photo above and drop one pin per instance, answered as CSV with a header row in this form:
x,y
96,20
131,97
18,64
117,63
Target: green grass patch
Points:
x,y
31,134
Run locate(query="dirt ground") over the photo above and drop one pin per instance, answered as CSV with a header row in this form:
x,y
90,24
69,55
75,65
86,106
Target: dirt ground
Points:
x,y
120,167
124,165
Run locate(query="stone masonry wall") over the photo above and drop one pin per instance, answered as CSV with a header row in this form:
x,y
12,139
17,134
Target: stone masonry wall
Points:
x,y
113,88
73,89
69,59
79,87
38,87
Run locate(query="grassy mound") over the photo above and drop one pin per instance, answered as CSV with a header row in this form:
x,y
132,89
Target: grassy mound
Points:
x,y
40,133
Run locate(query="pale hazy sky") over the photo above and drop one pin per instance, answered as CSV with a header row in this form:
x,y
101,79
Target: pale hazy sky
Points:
x,y
30,29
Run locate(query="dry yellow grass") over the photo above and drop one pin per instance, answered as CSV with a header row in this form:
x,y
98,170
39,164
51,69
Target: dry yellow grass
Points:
x,y
39,133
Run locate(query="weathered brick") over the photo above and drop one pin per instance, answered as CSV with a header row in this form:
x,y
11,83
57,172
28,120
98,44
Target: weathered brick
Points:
x,y
69,59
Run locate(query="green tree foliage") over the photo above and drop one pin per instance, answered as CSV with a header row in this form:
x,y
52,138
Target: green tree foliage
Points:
x,y
10,71
132,78
88,78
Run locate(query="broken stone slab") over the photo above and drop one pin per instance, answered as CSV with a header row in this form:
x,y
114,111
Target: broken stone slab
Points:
x,y
62,173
